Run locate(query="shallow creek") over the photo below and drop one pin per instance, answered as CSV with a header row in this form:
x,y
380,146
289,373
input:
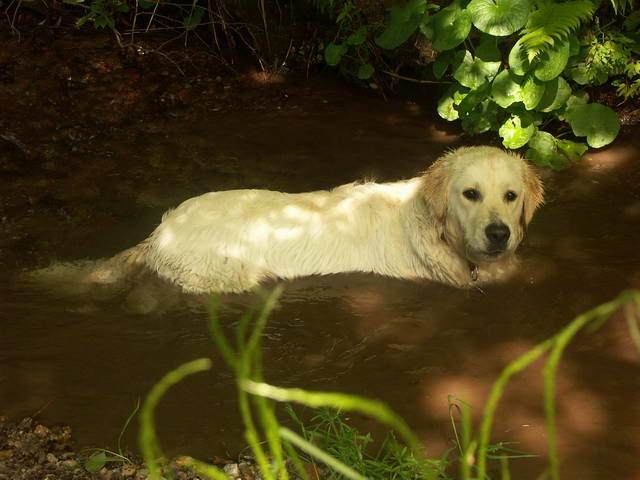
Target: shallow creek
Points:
x,y
85,363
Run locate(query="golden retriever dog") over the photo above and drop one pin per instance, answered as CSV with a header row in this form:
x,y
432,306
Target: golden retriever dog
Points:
x,y
458,223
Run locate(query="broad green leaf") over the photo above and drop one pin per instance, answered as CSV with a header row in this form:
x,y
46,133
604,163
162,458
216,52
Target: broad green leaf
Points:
x,y
473,72
442,62
482,119
578,98
598,123
543,150
548,151
499,17
358,37
451,26
573,150
468,103
518,60
447,104
146,4
96,462
528,117
333,53
532,92
556,94
365,71
194,18
488,50
403,21
505,90
574,45
445,59
426,26
513,134
552,61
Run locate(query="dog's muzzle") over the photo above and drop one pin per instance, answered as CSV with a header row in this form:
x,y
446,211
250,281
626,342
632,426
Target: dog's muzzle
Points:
x,y
497,238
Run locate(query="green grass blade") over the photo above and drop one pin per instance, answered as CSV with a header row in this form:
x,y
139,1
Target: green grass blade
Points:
x,y
250,368
561,340
463,444
373,408
632,315
126,425
202,468
229,355
296,460
321,455
494,397
149,445
505,474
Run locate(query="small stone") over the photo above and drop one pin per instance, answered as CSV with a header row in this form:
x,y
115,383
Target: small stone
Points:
x,y
128,471
142,474
51,458
41,431
233,470
70,463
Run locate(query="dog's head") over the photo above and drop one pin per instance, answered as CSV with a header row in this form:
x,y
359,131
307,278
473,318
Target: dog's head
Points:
x,y
483,198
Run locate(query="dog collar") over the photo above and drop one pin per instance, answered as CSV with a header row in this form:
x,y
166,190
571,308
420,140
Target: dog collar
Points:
x,y
473,271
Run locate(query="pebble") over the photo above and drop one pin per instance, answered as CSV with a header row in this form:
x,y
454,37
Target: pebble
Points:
x,y
233,470
41,431
128,471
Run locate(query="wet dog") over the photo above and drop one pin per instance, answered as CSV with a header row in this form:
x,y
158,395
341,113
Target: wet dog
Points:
x,y
458,223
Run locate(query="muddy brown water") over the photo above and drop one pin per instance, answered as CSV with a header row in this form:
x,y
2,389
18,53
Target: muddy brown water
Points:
x,y
85,363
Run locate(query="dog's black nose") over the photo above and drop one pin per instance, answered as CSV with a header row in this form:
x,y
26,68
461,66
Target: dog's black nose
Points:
x,y
498,234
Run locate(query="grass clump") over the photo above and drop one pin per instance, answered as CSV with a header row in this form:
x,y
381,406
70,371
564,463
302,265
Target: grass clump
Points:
x,y
346,453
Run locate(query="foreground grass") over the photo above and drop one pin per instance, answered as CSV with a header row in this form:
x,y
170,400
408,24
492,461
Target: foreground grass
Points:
x,y
330,441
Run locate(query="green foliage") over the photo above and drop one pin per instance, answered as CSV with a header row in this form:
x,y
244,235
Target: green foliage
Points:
x,y
629,86
499,18
102,456
603,54
596,122
620,6
547,55
102,13
449,27
516,101
552,22
329,439
403,22
329,429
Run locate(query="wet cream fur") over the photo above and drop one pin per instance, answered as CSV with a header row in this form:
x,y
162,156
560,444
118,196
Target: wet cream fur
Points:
x,y
422,228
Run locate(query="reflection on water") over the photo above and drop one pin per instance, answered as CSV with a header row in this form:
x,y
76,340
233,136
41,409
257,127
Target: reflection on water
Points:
x,y
410,344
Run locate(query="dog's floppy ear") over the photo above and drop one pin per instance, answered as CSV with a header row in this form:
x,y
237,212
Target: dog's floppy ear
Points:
x,y
533,193
434,188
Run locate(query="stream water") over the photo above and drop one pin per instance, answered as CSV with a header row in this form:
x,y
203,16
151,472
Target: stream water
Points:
x,y
410,344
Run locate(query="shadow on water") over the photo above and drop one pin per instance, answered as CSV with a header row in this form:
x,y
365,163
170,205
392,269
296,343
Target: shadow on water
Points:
x,y
410,344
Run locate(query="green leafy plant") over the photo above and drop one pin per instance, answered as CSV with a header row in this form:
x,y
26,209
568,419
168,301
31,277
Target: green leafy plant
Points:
x,y
514,67
329,429
629,86
102,13
520,98
102,456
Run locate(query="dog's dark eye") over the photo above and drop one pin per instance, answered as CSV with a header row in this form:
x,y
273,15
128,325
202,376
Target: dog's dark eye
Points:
x,y
471,194
510,196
